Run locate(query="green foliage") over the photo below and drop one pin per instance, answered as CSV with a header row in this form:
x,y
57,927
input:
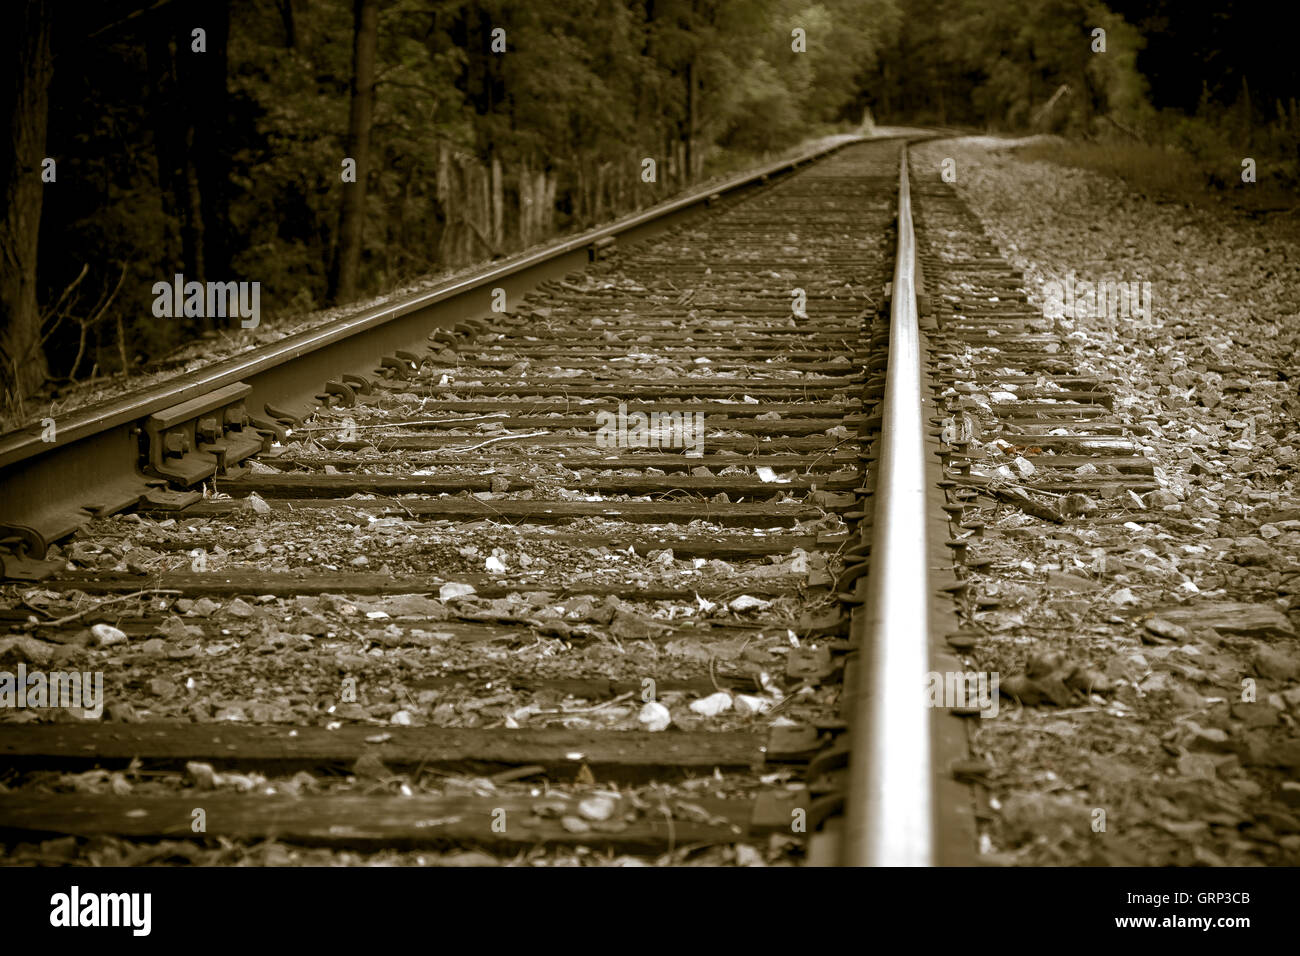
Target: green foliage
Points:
x,y
1017,64
466,143
1023,65
477,153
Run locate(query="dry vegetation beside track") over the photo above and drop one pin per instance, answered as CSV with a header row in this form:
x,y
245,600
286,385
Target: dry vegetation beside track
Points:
x,y
216,346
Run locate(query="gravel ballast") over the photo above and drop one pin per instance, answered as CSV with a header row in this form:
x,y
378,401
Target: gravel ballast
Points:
x,y
1182,599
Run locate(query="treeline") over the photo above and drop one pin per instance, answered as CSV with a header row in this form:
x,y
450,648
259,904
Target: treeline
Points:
x,y
332,149
1216,81
1013,65
337,148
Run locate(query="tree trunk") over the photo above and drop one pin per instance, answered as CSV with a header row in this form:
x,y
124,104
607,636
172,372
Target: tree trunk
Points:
x,y
161,109
211,152
484,177
25,96
1247,115
547,220
347,264
525,205
187,67
688,140
194,215
498,204
290,31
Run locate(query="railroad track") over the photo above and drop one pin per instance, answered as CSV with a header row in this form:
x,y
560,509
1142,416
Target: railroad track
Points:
x,y
582,579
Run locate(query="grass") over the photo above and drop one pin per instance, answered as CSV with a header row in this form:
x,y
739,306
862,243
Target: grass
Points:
x,y
1170,175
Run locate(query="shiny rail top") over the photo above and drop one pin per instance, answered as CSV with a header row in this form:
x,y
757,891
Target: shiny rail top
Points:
x,y
890,804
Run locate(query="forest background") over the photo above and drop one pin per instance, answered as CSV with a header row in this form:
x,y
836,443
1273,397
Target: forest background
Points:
x,y
480,128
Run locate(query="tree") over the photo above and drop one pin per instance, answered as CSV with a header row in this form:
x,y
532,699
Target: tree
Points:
x,y
27,58
477,127
343,281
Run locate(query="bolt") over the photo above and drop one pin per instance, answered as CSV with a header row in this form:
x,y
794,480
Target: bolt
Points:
x,y
176,444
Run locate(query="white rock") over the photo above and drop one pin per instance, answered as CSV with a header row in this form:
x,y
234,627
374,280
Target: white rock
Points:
x,y
454,589
107,634
402,718
746,855
1123,596
747,704
495,565
655,716
1076,504
599,806
257,504
1160,498
1025,467
747,602
241,608
204,777
712,705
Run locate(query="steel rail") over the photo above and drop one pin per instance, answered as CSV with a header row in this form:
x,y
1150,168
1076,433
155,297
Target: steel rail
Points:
x,y
49,489
889,803
26,442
